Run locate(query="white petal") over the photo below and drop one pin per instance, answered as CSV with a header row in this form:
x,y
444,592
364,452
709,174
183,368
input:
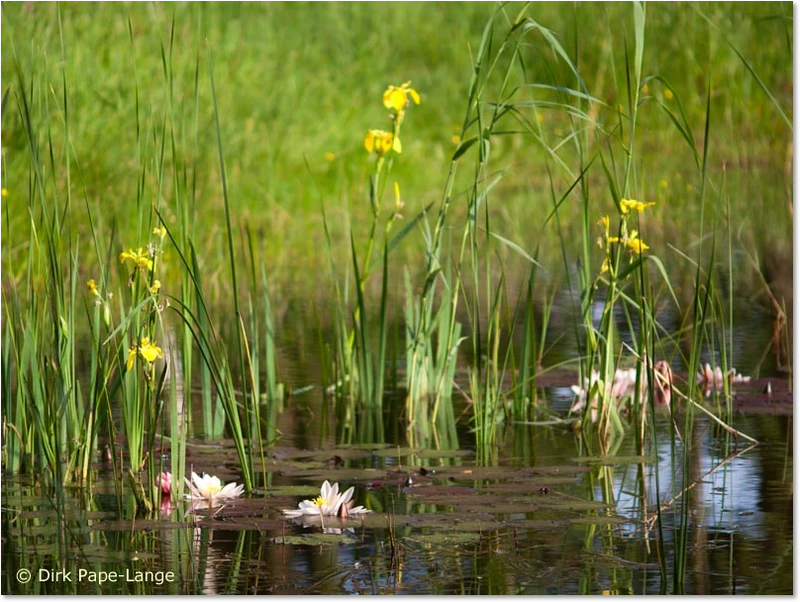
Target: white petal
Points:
x,y
200,484
325,490
333,495
193,493
230,491
346,496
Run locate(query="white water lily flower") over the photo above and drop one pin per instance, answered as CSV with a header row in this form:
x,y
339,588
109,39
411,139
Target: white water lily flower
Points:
x,y
210,489
329,503
623,388
713,379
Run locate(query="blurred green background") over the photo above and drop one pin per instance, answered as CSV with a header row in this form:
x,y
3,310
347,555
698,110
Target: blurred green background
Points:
x,y
299,84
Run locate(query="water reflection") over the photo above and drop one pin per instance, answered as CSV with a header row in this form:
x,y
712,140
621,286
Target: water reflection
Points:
x,y
530,524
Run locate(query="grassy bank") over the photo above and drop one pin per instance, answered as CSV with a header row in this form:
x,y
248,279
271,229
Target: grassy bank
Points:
x,y
292,88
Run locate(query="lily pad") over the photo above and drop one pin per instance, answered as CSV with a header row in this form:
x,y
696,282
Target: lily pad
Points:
x,y
439,538
444,453
479,526
563,469
395,452
326,455
566,503
313,539
535,485
597,520
26,502
615,460
448,491
140,525
540,524
103,553
366,446
245,524
292,490
471,473
340,474
496,507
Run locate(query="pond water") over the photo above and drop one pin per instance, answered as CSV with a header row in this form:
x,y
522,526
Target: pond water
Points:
x,y
540,519
533,524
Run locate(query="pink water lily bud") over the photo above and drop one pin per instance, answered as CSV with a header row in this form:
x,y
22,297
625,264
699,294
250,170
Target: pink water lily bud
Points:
x,y
164,480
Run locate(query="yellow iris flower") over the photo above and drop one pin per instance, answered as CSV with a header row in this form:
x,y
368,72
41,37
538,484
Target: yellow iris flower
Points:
x,y
632,241
398,203
92,286
382,142
161,231
139,258
149,351
627,205
131,357
636,244
396,97
156,287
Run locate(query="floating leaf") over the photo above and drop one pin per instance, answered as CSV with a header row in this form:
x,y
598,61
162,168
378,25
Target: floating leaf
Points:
x,y
458,537
313,539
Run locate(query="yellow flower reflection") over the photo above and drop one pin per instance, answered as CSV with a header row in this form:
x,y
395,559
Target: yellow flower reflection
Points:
x,y
396,97
627,205
381,142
